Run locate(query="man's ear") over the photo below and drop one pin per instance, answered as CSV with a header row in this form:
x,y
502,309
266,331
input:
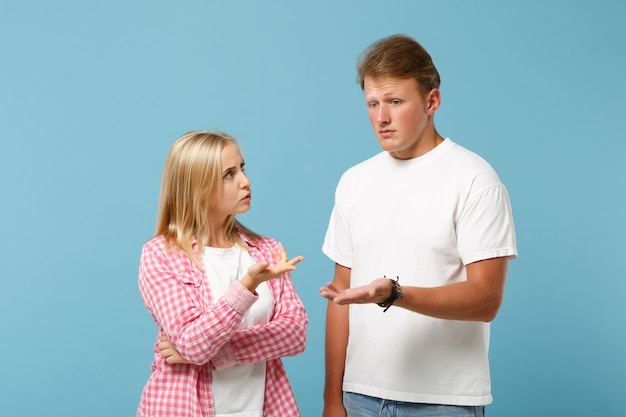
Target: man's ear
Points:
x,y
433,101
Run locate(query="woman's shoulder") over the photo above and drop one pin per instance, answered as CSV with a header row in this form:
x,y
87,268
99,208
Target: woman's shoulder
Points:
x,y
155,244
159,246
251,238
260,241
157,251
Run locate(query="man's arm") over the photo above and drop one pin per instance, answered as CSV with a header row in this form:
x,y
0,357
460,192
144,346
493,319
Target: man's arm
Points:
x,y
336,344
476,299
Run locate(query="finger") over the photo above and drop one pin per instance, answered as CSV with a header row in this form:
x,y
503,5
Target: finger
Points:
x,y
296,260
329,295
277,270
282,253
325,290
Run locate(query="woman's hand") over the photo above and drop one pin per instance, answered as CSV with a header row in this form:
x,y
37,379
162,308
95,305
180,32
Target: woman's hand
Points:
x,y
262,271
169,352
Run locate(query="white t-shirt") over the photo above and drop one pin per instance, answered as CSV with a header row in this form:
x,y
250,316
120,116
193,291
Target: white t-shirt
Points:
x,y
421,220
240,389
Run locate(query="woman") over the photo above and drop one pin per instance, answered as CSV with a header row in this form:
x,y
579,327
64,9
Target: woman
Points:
x,y
220,294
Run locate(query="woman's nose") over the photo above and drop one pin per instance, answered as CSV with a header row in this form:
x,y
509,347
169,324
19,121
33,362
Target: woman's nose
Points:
x,y
245,182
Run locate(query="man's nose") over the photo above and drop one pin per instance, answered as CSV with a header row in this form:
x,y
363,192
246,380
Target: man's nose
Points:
x,y
383,116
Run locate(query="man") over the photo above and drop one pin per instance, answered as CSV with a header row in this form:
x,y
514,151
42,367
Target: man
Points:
x,y
420,234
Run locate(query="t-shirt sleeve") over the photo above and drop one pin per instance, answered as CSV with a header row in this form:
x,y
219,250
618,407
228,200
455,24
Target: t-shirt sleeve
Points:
x,y
485,228
337,241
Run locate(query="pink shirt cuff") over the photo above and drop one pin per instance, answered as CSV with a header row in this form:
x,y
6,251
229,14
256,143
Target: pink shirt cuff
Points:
x,y
240,299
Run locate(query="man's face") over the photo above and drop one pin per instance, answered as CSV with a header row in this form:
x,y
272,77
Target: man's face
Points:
x,y
401,116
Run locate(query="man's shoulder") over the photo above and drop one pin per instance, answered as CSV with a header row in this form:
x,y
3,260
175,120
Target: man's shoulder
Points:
x,y
464,158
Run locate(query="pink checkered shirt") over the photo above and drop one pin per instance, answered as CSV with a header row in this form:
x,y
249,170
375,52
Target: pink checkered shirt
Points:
x,y
204,331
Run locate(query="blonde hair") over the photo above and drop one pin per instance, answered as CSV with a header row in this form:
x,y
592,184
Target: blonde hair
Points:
x,y
191,184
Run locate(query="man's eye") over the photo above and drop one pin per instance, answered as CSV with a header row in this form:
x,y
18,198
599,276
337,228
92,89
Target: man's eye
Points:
x,y
372,105
395,102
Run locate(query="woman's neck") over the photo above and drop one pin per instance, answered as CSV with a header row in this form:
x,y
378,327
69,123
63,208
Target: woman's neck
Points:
x,y
217,236
220,243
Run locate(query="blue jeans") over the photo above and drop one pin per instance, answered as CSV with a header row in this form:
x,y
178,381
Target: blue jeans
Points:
x,y
359,405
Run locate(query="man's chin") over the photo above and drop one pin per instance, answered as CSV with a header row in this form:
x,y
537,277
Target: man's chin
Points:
x,y
388,145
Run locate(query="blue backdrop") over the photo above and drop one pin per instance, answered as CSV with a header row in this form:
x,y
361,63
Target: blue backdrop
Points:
x,y
93,93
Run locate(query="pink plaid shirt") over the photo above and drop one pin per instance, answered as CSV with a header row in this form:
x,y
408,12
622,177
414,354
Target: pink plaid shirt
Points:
x,y
205,333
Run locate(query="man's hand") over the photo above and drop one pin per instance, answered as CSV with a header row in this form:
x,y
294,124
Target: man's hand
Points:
x,y
169,352
375,292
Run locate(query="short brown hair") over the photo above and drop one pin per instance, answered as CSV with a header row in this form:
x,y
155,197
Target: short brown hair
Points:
x,y
398,56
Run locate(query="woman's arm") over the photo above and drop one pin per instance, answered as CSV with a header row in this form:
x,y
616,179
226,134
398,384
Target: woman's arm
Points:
x,y
283,335
170,288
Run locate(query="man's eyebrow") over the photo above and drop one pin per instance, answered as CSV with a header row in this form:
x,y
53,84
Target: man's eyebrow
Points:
x,y
385,95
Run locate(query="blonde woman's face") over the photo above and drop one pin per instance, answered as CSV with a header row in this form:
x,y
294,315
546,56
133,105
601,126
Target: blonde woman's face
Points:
x,y
236,195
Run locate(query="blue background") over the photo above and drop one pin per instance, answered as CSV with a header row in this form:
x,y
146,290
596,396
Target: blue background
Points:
x,y
93,93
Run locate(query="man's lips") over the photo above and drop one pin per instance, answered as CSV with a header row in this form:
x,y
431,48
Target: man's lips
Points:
x,y
386,133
